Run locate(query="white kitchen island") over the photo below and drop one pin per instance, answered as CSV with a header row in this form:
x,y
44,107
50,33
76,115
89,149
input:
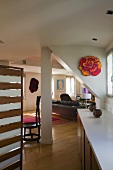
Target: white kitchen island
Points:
x,y
99,134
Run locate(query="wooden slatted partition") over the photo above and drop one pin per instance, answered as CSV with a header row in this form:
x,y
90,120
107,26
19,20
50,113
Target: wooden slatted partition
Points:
x,y
11,116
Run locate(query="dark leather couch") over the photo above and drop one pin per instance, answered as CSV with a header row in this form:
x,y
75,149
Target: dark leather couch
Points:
x,y
66,108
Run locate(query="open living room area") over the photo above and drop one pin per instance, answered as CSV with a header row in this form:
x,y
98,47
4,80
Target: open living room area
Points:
x,y
62,154
56,85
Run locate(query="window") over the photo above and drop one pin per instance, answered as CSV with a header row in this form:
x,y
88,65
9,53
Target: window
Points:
x,y
110,74
70,86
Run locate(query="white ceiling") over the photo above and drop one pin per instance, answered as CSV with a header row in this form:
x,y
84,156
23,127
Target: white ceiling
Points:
x,y
27,25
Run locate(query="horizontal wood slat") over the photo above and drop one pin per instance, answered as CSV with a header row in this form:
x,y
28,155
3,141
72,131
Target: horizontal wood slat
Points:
x,y
10,154
9,127
11,106
11,72
5,100
4,86
13,166
9,141
10,113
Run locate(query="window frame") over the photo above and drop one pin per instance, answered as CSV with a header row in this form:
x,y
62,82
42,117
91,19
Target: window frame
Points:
x,y
108,54
72,94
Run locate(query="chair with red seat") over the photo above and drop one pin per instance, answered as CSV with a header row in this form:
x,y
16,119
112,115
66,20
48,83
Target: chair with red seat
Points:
x,y
28,125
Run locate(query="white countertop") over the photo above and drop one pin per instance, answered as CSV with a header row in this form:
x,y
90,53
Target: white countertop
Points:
x,y
100,135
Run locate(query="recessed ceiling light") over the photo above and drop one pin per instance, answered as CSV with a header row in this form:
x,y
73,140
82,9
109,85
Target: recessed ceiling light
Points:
x,y
1,41
94,39
109,12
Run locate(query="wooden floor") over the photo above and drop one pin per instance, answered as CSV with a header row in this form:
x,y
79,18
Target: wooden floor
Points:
x,y
63,154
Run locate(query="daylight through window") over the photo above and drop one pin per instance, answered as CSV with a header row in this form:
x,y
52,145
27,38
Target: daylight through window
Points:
x,y
110,74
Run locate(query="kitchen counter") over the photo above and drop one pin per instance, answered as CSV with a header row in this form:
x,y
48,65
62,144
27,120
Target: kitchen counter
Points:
x,y
99,132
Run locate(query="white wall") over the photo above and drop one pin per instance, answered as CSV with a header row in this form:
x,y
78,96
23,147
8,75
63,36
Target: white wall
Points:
x,y
69,57
78,87
109,104
30,98
108,100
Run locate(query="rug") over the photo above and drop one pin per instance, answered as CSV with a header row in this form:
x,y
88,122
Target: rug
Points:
x,y
56,120
27,118
61,121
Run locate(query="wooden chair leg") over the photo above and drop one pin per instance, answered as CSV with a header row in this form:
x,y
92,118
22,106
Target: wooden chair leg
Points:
x,y
39,131
24,132
31,136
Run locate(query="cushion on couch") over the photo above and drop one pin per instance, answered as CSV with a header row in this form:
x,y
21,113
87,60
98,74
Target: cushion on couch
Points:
x,y
56,102
70,103
67,103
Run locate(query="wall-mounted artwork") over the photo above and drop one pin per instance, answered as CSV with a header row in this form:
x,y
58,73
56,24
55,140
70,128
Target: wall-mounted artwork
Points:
x,y
90,65
33,87
60,84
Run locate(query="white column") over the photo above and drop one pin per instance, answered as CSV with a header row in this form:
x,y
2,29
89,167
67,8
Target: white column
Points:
x,y
46,96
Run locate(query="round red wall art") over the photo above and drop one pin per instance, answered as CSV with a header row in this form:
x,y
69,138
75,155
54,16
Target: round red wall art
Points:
x,y
90,65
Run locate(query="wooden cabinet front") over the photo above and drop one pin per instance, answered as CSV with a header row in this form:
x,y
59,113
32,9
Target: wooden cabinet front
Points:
x,y
88,158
